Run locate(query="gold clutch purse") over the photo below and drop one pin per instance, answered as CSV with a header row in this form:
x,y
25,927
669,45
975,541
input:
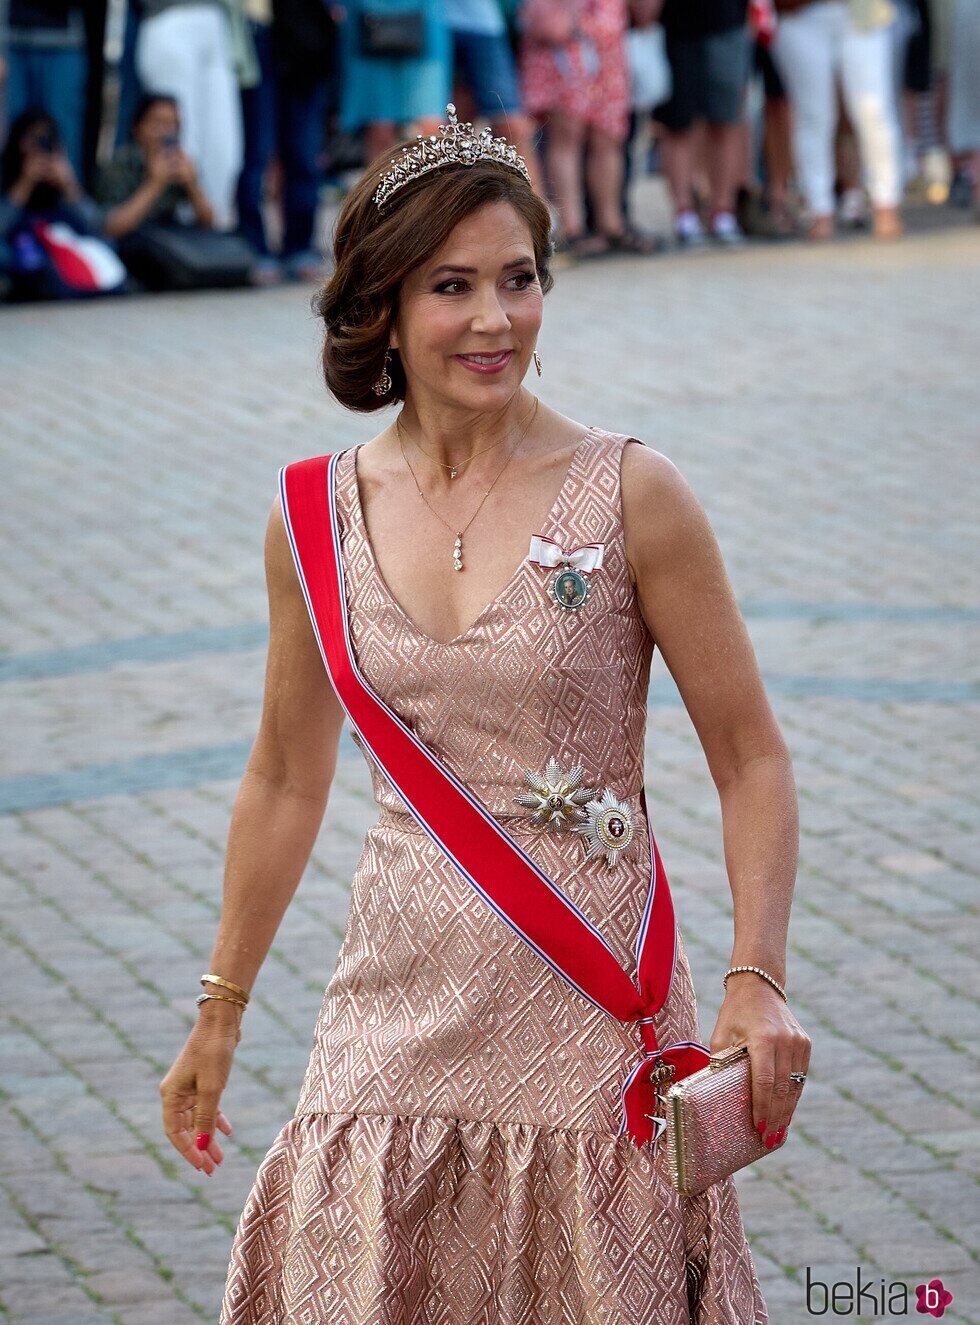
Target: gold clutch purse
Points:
x,y
710,1133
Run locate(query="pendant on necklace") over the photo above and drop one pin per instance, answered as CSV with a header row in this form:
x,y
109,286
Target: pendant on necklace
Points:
x,y
458,553
452,473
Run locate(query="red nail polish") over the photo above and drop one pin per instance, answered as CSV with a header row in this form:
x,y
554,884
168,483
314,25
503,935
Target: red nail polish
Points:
x,y
770,1140
781,1133
761,1127
202,1140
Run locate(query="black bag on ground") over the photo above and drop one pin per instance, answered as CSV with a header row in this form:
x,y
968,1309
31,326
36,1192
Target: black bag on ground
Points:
x,y
186,257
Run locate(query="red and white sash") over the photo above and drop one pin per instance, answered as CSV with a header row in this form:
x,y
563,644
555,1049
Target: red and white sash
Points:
x,y
465,830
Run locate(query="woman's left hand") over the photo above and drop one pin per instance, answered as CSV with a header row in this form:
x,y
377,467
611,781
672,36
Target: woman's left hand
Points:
x,y
754,1014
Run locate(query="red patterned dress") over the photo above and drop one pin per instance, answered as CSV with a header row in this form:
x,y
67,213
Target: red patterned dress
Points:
x,y
586,77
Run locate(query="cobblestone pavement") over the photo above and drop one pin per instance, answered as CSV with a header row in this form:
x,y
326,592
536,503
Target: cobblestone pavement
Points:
x,y
824,405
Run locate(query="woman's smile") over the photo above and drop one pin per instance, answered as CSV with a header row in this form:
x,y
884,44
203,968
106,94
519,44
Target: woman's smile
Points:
x,y
485,363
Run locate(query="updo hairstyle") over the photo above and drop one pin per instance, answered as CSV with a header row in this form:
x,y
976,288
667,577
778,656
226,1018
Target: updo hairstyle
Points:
x,y
375,250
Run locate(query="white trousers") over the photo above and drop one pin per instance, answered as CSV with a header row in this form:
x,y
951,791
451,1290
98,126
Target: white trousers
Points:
x,y
814,46
185,52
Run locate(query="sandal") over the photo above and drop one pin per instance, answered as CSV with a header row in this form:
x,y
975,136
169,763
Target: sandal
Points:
x,y
631,240
583,245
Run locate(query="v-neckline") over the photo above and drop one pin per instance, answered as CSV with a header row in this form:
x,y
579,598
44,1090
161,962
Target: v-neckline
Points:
x,y
496,599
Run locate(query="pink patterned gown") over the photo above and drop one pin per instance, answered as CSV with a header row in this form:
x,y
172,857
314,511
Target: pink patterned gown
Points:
x,y
453,1158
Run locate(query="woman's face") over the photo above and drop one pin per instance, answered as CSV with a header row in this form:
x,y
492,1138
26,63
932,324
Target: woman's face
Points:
x,y
478,295
160,125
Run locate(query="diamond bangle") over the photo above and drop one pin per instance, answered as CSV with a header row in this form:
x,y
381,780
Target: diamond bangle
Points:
x,y
220,998
759,971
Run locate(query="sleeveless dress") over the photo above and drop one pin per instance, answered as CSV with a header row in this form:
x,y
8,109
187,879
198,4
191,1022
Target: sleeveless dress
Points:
x,y
453,1158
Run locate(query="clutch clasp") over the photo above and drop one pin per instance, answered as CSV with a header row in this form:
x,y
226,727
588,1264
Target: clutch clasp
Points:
x,y
718,1061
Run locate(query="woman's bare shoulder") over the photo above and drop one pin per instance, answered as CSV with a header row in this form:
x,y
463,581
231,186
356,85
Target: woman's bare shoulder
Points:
x,y
661,512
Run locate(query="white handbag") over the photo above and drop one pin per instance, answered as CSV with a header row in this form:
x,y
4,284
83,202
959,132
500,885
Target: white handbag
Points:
x,y
650,73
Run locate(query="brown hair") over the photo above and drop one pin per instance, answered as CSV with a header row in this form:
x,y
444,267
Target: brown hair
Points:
x,y
375,250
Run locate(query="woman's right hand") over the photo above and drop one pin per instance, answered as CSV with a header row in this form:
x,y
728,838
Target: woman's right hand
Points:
x,y
192,1088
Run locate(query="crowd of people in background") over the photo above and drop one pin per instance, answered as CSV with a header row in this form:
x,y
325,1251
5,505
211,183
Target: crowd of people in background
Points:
x,y
197,154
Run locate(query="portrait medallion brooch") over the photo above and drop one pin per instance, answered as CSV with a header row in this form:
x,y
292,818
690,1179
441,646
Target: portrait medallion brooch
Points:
x,y
609,827
570,584
556,797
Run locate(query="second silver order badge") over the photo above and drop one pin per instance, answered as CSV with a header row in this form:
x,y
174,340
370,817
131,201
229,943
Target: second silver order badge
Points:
x,y
557,800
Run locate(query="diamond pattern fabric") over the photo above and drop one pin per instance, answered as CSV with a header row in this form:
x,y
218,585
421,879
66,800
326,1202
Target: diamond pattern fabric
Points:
x,y
453,1156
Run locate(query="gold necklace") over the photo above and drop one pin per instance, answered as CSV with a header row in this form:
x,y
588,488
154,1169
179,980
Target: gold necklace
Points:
x,y
458,545
453,468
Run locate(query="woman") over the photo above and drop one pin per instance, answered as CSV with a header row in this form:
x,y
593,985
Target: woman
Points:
x,y
816,42
284,117
575,77
151,179
51,244
454,1153
400,75
186,50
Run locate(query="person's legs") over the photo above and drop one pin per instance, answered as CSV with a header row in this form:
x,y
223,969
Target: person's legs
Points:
x,y
804,51
60,77
627,150
777,150
485,64
221,161
677,117
604,179
724,165
259,124
520,129
868,89
20,92
563,152
168,56
128,80
53,81
303,111
379,136
677,153
727,61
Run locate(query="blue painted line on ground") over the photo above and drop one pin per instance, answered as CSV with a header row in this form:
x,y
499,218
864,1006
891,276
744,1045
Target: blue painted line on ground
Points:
x,y
183,769
789,609
173,647
99,657
127,777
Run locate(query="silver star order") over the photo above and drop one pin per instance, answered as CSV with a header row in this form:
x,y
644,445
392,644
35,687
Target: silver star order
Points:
x,y
609,828
555,797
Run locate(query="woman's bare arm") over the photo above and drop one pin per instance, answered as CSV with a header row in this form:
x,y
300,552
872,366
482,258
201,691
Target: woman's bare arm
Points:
x,y
690,608
284,789
274,824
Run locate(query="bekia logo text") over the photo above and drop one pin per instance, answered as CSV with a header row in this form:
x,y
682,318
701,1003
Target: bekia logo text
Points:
x,y
873,1297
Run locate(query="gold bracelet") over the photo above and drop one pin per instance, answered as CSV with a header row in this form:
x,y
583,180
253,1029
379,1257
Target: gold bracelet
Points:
x,y
217,980
221,998
759,971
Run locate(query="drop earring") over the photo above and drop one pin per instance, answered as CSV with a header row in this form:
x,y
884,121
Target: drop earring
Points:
x,y
383,385
537,362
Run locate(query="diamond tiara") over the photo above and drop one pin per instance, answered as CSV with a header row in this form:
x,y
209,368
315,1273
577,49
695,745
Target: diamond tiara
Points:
x,y
454,144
